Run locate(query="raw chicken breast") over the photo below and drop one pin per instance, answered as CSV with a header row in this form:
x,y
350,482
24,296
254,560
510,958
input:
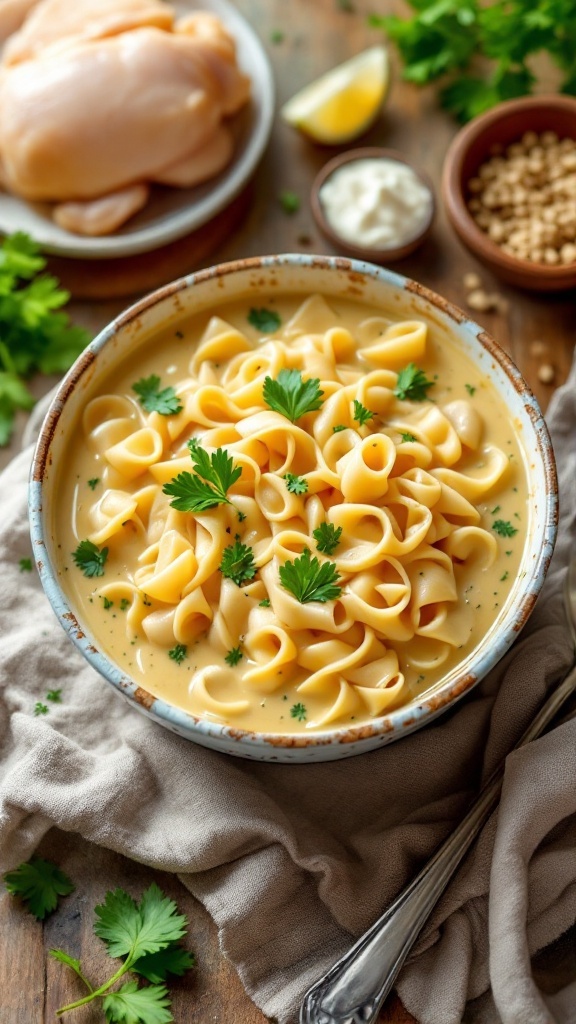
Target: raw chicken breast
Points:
x,y
61,23
100,119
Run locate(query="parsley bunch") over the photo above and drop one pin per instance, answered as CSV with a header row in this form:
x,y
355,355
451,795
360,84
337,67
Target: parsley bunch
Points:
x,y
444,37
34,335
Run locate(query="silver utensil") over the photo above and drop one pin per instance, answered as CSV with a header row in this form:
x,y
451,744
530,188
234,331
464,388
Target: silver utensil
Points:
x,y
354,989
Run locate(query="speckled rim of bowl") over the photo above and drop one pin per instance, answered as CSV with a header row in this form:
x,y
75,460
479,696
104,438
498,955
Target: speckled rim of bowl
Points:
x,y
366,252
354,278
519,272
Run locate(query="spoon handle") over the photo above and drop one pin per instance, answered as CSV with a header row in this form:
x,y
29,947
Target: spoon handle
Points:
x,y
354,989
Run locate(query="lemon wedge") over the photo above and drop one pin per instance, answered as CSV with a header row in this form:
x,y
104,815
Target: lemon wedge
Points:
x,y
344,102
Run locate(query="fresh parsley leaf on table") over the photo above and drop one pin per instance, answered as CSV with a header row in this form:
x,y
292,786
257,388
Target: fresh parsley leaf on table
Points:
x,y
264,320
90,559
291,396
445,38
153,398
238,562
308,579
39,883
35,334
208,485
133,1005
412,384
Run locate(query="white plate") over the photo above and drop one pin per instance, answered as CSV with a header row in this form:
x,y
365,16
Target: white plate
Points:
x,y
171,212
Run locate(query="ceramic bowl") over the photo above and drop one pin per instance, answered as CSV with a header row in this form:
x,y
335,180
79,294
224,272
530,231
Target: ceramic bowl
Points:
x,y
364,252
501,126
300,274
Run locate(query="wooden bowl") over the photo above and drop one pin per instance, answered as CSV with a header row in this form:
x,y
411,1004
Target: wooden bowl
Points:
x,y
503,125
364,252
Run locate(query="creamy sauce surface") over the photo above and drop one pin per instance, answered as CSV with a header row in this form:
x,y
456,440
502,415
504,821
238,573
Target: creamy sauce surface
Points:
x,y
114,608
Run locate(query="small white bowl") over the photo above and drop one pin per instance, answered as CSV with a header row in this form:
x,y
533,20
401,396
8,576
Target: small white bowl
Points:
x,y
304,274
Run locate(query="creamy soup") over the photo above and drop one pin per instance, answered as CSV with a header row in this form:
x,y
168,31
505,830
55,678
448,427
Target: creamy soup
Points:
x,y
295,517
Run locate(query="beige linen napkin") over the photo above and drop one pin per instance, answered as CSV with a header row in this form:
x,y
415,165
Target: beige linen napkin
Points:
x,y
292,861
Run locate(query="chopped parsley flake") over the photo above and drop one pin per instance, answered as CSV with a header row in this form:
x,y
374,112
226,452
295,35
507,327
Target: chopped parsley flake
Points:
x,y
276,36
25,565
265,603
295,484
504,528
298,711
54,696
233,656
178,653
155,399
470,389
40,709
93,483
289,202
406,436
412,384
264,320
107,603
338,428
124,604
90,559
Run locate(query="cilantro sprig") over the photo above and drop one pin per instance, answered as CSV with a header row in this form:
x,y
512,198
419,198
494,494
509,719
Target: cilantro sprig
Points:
x,y
153,398
39,884
90,558
291,396
146,936
208,485
412,384
238,562
35,334
308,579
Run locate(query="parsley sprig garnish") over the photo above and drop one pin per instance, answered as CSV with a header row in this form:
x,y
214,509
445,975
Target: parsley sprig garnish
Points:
x,y
178,653
264,320
233,656
38,883
208,485
146,936
153,398
295,484
90,559
238,562
406,436
291,396
362,415
298,711
504,528
412,384
308,579
327,537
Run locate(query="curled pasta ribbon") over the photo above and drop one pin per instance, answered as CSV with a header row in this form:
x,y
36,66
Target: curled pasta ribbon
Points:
x,y
273,650
330,617
470,545
439,435
419,485
175,565
211,686
211,539
479,479
107,420
231,615
311,351
466,422
366,536
211,406
276,501
313,316
244,378
219,343
122,591
392,345
344,701
192,615
365,469
375,391
332,658
410,523
111,514
335,412
427,654
290,449
136,453
158,627
380,598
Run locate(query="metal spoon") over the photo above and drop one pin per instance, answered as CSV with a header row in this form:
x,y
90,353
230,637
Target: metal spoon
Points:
x,y
354,989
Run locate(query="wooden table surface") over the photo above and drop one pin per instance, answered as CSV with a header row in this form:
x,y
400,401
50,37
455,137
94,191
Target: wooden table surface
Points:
x,y
316,36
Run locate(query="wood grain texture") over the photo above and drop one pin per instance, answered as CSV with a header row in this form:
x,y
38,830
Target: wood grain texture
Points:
x,y
317,35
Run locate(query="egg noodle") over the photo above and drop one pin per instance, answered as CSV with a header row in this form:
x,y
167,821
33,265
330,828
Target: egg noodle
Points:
x,y
404,480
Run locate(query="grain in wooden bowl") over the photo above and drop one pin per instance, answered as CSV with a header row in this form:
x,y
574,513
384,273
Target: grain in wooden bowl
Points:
x,y
510,191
